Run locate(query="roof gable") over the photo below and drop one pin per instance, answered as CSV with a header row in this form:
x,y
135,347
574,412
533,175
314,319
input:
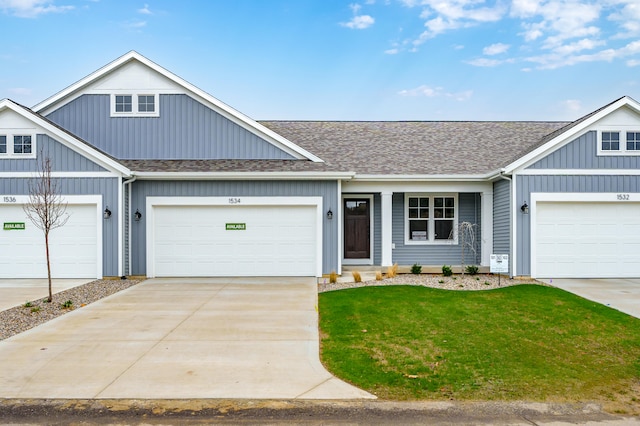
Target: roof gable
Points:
x,y
17,116
134,69
622,110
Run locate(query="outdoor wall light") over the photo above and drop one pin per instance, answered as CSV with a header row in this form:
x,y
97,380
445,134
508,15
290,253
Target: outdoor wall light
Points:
x,y
137,215
107,213
525,208
329,214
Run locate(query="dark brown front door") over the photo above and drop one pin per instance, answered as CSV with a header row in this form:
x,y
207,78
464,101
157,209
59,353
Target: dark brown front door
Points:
x,y
356,229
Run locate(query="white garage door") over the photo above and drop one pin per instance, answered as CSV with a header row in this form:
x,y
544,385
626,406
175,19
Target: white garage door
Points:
x,y
206,241
73,247
587,240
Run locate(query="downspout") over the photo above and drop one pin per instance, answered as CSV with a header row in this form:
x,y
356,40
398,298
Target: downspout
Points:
x,y
128,237
512,226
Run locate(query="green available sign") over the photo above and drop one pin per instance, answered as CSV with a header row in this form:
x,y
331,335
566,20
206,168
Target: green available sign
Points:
x,y
13,226
236,227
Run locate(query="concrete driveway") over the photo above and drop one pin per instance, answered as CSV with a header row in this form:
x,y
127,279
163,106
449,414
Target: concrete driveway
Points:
x,y
176,339
14,292
622,294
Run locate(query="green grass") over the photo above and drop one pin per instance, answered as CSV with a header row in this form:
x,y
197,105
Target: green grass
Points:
x,y
525,342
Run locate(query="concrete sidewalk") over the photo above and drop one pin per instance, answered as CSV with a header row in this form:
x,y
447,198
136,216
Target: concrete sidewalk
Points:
x,y
176,339
14,292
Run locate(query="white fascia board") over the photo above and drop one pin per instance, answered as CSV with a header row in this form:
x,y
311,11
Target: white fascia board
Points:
x,y
30,175
423,178
66,139
228,112
579,172
569,135
243,175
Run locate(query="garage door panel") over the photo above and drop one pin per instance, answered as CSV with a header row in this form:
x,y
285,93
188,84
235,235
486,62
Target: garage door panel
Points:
x,y
73,247
194,241
587,240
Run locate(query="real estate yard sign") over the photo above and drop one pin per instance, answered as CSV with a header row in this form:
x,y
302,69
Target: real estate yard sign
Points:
x,y
499,264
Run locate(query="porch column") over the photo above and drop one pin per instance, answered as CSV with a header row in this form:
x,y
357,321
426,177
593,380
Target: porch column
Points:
x,y
487,228
386,231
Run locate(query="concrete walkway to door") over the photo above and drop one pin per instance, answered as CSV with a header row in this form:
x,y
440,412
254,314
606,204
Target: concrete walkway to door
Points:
x,y
253,338
622,294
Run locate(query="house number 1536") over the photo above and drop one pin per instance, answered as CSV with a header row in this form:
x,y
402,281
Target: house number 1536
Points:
x,y
9,199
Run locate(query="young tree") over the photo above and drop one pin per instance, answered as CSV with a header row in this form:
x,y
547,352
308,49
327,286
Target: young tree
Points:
x,y
466,240
45,207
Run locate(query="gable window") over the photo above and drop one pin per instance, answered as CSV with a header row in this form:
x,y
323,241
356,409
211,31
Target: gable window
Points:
x,y
431,219
146,103
22,144
610,141
134,105
16,144
633,141
123,103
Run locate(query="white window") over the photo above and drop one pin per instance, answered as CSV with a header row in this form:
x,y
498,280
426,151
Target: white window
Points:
x,y
619,142
16,144
431,218
134,105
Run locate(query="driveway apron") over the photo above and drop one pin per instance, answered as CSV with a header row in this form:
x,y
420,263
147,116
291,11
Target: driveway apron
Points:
x,y
251,338
622,294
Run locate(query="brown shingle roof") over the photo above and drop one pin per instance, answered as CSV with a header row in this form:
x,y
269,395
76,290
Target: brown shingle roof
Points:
x,y
415,148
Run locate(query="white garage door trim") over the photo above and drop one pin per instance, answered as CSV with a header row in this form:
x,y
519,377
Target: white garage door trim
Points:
x,y
569,197
152,202
72,200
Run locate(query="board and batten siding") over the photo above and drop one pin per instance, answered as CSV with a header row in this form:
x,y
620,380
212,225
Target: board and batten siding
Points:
x,y
502,217
581,153
525,185
469,210
185,130
106,187
62,158
328,190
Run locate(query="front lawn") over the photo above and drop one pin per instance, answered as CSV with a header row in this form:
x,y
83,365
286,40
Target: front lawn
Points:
x,y
526,342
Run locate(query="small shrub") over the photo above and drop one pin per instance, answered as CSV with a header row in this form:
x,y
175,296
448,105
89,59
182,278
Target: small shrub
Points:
x,y
477,278
441,281
446,271
356,276
27,304
333,277
378,275
67,305
471,270
487,283
392,271
35,309
416,269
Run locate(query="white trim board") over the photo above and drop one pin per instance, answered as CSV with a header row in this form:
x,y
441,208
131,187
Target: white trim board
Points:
x,y
579,172
231,201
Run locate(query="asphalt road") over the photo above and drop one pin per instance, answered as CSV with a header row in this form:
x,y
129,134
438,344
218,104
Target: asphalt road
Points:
x,y
248,412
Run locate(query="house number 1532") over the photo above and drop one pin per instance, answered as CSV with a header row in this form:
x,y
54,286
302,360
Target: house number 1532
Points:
x,y
622,197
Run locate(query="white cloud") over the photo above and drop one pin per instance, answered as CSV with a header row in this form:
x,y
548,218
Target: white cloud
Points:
x,y
355,8
495,49
20,91
135,25
359,22
572,105
393,51
145,10
633,62
555,60
485,62
31,8
435,92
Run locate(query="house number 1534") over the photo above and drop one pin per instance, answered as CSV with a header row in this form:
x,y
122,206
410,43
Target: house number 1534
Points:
x,y
234,200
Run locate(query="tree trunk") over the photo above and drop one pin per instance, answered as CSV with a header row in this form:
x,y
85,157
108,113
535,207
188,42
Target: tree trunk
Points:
x,y
46,245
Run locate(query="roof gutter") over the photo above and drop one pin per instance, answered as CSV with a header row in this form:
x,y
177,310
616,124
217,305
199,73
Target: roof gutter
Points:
x,y
244,175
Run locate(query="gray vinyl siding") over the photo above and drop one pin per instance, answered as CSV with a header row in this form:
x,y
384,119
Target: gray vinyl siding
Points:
x,y
582,154
328,190
62,158
185,130
525,185
502,217
106,187
469,210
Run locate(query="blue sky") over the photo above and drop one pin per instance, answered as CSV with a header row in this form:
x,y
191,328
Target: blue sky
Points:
x,y
342,60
